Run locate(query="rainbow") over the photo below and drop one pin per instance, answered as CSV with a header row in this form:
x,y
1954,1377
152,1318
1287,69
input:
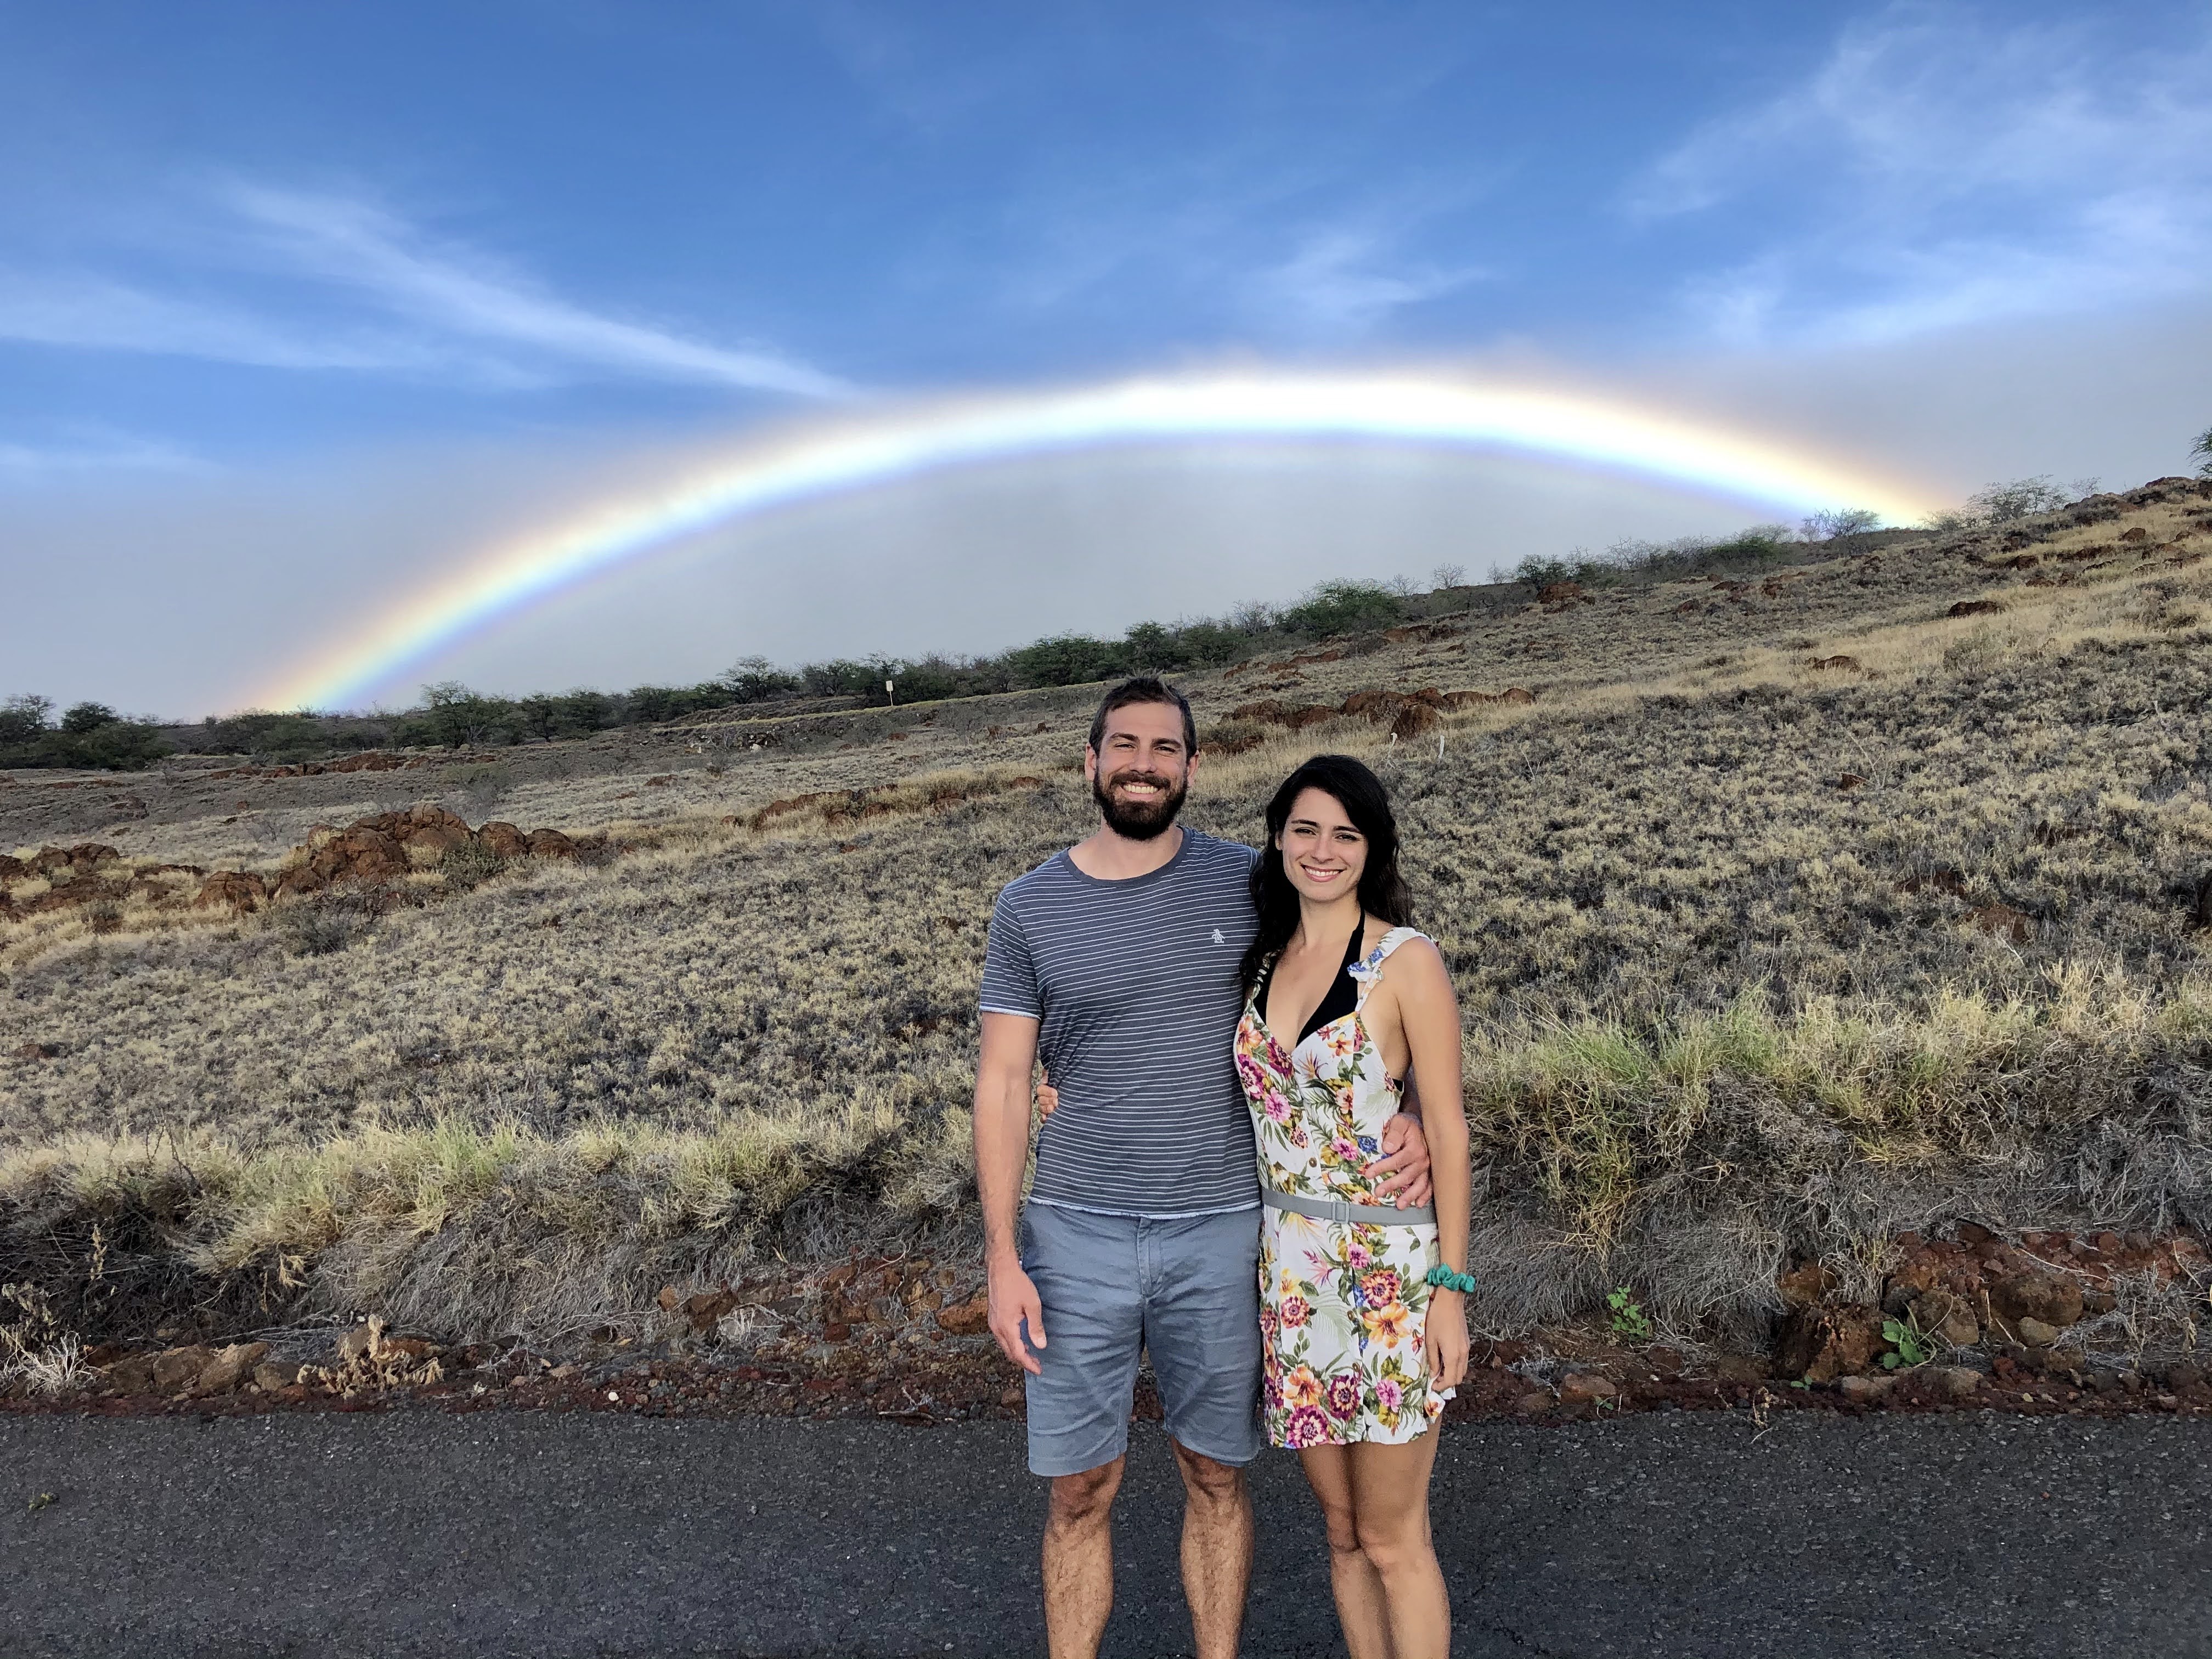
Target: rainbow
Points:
x,y
504,581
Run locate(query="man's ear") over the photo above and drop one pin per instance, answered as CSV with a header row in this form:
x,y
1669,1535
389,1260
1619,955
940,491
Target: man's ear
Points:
x,y
1090,764
1190,770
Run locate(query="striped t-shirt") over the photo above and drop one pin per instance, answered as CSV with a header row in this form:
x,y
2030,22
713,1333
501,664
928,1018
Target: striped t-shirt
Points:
x,y
1134,985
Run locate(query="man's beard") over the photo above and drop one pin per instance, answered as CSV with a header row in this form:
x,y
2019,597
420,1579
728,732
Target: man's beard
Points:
x,y
1139,820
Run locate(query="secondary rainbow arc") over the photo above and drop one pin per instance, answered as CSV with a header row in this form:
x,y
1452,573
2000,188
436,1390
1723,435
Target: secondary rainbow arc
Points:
x,y
505,581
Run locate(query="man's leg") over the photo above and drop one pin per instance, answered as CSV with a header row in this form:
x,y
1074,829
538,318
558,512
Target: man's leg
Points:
x,y
1078,1560
1084,1268
1202,1279
1217,1551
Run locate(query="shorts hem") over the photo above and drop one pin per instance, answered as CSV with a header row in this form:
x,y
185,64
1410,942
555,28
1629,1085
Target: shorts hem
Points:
x,y
1052,1467
1252,1457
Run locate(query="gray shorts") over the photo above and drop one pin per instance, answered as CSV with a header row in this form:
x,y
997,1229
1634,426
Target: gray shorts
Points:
x,y
1185,1289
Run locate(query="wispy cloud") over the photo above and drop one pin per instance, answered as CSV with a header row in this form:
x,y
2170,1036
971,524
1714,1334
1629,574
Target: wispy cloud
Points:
x,y
91,451
1345,282
1936,170
355,245
1259,247
82,309
325,282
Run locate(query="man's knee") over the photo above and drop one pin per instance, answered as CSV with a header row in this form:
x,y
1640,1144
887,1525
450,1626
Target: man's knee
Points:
x,y
1079,1499
1209,1482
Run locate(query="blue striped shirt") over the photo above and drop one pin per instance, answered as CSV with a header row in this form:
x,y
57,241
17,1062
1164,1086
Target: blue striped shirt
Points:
x,y
1134,985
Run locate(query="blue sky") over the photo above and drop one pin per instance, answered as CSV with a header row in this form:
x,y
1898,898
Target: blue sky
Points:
x,y
268,274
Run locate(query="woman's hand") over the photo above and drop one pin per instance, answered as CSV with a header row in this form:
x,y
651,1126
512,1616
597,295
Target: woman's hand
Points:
x,y
1048,1098
1447,1341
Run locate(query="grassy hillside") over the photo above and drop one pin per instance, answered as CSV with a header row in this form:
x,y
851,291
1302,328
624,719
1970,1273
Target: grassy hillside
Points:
x,y
1759,958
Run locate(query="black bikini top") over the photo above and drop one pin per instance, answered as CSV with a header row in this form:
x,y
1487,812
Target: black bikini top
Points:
x,y
1339,1000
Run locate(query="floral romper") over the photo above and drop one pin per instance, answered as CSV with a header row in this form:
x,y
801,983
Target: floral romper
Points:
x,y
1343,1307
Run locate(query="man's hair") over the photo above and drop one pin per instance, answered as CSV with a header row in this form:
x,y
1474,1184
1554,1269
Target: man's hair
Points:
x,y
1145,688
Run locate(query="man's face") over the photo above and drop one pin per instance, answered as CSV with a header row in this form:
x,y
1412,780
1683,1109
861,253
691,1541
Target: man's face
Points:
x,y
1141,769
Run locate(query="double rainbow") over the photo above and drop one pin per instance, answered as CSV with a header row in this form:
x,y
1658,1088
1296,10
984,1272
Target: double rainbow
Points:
x,y
505,582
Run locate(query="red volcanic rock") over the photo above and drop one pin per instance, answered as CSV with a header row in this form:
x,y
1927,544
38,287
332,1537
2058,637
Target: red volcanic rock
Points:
x,y
550,844
1975,608
1828,1340
2050,1299
1805,1284
1414,719
1835,663
1515,694
2001,920
234,889
2137,533
12,868
363,853
1373,702
969,1318
86,855
503,840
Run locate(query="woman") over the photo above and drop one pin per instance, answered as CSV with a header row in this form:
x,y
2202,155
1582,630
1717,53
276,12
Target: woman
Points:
x,y
1363,1306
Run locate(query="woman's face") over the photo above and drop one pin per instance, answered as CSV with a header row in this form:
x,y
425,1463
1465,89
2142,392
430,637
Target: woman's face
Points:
x,y
1323,854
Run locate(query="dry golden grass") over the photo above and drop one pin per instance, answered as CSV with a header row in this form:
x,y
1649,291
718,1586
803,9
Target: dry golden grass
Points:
x,y
1721,1009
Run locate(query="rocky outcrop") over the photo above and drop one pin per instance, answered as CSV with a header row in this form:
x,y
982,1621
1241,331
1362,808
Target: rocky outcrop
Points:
x,y
1408,714
368,851
371,762
89,873
387,847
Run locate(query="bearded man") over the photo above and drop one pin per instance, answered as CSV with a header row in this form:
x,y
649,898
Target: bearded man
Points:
x,y
1116,963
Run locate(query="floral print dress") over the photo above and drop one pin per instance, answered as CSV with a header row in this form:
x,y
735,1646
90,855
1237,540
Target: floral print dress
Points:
x,y
1343,1308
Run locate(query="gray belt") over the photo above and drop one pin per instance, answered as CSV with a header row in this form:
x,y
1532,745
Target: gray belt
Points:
x,y
1336,1210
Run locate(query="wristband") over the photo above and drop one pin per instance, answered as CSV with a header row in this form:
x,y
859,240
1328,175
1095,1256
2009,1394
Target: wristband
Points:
x,y
1451,1278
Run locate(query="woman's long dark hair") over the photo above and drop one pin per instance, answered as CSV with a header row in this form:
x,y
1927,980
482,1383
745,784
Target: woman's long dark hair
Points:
x,y
1382,888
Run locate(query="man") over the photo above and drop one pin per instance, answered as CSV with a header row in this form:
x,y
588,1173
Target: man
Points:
x,y
1117,961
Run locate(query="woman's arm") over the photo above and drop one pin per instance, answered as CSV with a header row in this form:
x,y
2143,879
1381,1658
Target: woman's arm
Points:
x,y
1428,1012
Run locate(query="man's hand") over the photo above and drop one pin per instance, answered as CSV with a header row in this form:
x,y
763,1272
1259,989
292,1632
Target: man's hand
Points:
x,y
1013,1301
1048,1098
1401,1174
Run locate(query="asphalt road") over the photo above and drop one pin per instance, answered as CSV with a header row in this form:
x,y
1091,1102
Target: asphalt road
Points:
x,y
1674,1535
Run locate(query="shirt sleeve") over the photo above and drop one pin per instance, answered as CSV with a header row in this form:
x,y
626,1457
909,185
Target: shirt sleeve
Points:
x,y
1009,982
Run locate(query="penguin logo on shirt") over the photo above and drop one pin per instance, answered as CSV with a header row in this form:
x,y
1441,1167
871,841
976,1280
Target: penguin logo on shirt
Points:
x,y
1219,938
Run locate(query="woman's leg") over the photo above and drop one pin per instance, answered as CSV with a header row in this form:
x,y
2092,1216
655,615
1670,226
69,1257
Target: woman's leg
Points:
x,y
1390,1520
1360,1607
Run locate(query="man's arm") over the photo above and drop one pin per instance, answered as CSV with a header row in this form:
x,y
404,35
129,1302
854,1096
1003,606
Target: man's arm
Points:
x,y
1002,1153
1404,1165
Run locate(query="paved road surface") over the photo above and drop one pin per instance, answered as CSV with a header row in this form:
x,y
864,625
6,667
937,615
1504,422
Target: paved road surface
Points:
x,y
1673,1535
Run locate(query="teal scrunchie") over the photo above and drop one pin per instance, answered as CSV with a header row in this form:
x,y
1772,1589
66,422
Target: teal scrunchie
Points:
x,y
1451,1278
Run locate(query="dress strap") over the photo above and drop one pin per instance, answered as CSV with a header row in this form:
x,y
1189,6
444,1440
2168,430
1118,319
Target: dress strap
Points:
x,y
1368,971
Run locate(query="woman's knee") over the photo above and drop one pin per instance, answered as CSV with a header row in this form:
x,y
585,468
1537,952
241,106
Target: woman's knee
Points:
x,y
1343,1528
1396,1545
